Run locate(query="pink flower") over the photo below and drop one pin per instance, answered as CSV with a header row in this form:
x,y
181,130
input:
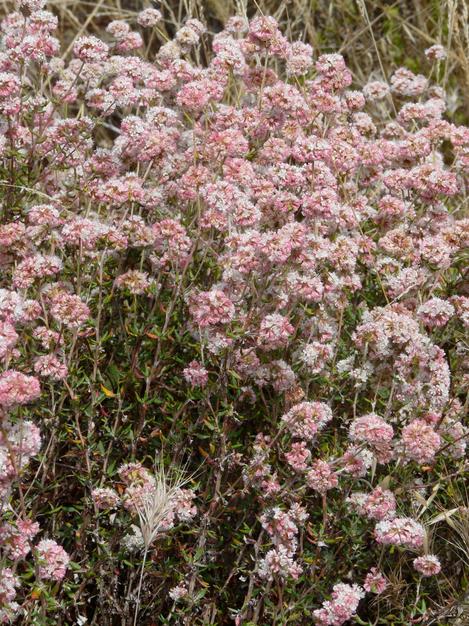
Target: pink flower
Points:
x,y
421,441
305,419
371,429
406,83
24,441
299,58
279,562
35,266
435,312
298,456
171,243
32,5
90,49
105,498
436,53
9,84
8,584
376,90
149,17
16,539
427,565
274,332
135,473
69,310
44,215
400,531
182,502
178,593
8,338
17,388
342,606
132,41
315,356
263,29
209,308
52,560
356,461
375,581
380,504
50,366
196,374
321,477
134,281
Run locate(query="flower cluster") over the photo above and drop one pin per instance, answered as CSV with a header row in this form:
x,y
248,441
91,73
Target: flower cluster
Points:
x,y
52,559
400,531
342,606
283,529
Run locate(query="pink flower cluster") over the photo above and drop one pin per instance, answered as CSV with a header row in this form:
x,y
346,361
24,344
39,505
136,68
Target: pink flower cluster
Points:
x,y
421,441
379,504
342,606
52,559
196,374
282,528
17,388
400,531
321,477
427,565
211,308
375,581
305,419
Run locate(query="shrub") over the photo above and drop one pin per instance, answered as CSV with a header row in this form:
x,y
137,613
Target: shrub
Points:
x,y
232,309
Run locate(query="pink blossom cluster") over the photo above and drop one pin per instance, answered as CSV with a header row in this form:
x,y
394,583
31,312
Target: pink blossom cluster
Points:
x,y
379,504
427,565
421,441
53,560
342,606
16,539
282,528
196,374
19,441
305,419
9,582
321,477
400,531
375,581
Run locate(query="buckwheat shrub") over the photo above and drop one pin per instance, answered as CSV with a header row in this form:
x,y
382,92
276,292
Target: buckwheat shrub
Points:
x,y
221,251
